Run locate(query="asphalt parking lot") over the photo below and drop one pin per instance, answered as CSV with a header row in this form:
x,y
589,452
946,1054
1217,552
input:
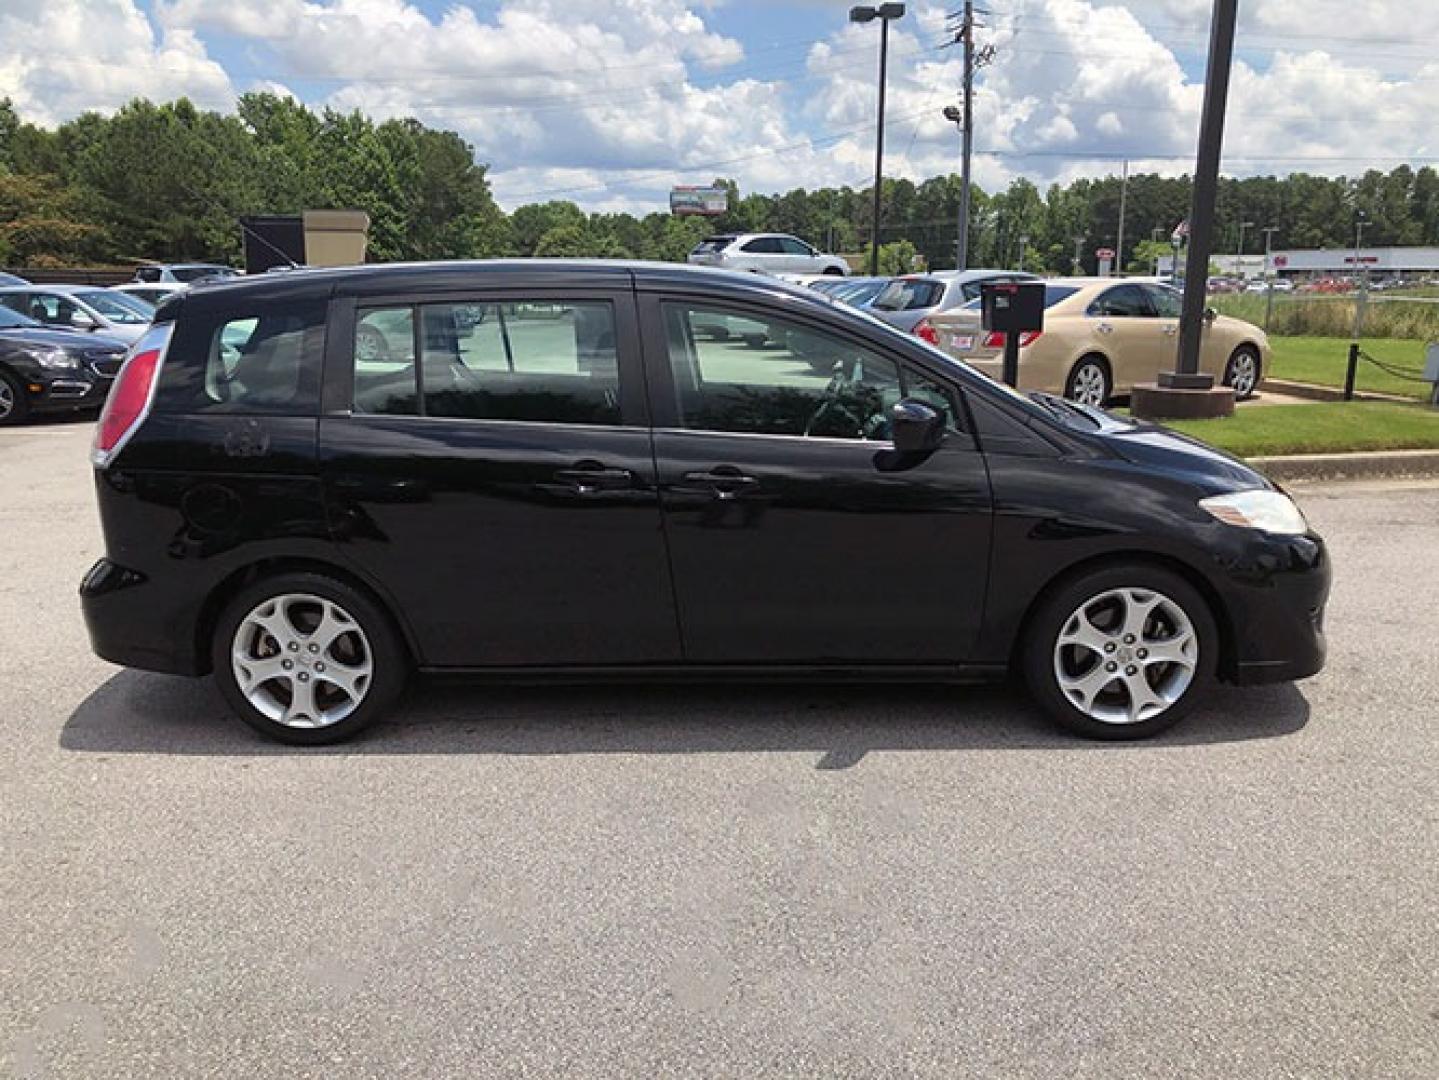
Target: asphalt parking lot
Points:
x,y
717,882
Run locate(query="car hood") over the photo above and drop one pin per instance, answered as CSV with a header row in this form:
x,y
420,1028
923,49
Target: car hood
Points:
x,y
1159,448
64,339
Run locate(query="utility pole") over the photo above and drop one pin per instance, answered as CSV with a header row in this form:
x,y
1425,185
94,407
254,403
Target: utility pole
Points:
x,y
1239,255
1078,247
1269,231
964,118
885,13
1023,241
1154,235
1119,241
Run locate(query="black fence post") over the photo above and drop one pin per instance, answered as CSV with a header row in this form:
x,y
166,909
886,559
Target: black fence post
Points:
x,y
1350,373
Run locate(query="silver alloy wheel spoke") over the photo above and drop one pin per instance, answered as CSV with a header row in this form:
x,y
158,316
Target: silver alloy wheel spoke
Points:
x,y
302,660
7,399
1089,385
1244,374
1126,655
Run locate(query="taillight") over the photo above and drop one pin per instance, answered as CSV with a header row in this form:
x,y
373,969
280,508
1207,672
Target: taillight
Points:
x,y
130,397
925,331
995,338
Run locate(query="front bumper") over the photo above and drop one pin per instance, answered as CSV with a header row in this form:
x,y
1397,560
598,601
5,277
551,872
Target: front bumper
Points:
x,y
68,390
1276,600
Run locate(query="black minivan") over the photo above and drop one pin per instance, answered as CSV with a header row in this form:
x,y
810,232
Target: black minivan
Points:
x,y
313,484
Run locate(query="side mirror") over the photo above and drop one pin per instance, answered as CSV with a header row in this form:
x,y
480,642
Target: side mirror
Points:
x,y
915,427
1210,314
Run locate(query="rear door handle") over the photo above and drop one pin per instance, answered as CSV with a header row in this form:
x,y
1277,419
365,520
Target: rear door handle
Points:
x,y
588,477
1105,328
727,484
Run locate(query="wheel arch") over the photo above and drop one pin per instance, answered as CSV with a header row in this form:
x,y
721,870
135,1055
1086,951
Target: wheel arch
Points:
x,y
245,576
1217,608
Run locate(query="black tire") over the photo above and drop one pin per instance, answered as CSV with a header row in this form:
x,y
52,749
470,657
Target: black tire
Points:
x,y
1081,374
1244,381
14,406
389,660
1041,653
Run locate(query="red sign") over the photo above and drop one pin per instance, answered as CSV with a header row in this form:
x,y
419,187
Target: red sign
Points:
x,y
1104,253
1281,261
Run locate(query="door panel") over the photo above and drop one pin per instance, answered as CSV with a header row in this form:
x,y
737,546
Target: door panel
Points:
x,y
1130,334
823,550
796,532
492,466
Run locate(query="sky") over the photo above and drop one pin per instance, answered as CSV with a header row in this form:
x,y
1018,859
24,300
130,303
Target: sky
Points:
x,y
610,102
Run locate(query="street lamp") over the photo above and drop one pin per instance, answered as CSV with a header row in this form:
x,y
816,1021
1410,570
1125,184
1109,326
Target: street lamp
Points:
x,y
885,13
1023,242
1361,222
1239,255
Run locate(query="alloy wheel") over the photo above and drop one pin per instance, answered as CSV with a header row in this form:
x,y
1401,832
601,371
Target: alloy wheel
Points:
x,y
1126,655
1088,385
1243,374
302,661
7,399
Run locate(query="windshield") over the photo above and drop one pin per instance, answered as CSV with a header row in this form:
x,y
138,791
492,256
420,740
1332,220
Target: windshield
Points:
x,y
13,320
908,294
117,307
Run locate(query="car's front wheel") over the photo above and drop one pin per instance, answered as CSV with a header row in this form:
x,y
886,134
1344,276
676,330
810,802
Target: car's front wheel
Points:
x,y
1121,652
307,659
13,405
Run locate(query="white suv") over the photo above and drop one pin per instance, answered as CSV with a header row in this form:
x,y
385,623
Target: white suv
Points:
x,y
765,253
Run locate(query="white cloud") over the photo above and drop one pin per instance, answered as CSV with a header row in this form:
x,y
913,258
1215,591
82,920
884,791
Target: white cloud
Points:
x,y
62,57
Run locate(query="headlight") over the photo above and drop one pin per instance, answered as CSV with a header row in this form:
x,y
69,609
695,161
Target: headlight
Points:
x,y
1272,511
54,359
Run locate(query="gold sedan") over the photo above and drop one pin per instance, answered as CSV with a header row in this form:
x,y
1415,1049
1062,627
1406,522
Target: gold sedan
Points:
x,y
1103,335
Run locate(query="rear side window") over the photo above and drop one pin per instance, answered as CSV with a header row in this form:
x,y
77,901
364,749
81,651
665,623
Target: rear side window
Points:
x,y
536,361
264,359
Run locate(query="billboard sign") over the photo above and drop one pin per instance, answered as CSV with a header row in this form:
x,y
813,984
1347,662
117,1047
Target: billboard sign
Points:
x,y
699,201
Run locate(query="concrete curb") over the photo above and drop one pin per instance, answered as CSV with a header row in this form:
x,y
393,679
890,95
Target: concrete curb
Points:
x,y
1315,392
1362,466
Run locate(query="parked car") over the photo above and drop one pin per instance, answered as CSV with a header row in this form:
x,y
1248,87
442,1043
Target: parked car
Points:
x,y
81,307
309,526
44,370
909,301
766,253
150,292
1103,335
183,273
855,291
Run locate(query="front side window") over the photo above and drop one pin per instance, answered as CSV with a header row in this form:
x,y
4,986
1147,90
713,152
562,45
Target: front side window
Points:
x,y
766,376
1122,301
536,361
264,359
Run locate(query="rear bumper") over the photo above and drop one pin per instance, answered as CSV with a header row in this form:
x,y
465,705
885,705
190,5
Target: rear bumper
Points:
x,y
129,628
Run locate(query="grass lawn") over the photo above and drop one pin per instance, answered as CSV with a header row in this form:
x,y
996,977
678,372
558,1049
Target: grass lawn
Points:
x,y
1324,427
1322,360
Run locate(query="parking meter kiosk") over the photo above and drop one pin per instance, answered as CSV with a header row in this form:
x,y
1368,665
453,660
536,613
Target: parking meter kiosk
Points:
x,y
1012,308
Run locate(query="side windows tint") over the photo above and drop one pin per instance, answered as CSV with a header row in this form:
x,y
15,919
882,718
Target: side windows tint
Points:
x,y
540,361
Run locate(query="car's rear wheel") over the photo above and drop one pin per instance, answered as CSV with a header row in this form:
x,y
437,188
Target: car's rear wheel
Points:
x,y
13,405
1122,652
1089,382
1242,372
303,658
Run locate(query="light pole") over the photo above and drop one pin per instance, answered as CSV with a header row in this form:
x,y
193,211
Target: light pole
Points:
x,y
1078,246
1023,240
885,13
1269,231
956,116
1154,236
1239,255
1361,222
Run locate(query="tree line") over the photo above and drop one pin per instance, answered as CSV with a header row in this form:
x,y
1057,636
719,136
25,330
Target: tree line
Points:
x,y
168,182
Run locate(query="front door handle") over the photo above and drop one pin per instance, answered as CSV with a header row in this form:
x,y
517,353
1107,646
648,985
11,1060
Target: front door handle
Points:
x,y
588,477
726,483
1105,328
